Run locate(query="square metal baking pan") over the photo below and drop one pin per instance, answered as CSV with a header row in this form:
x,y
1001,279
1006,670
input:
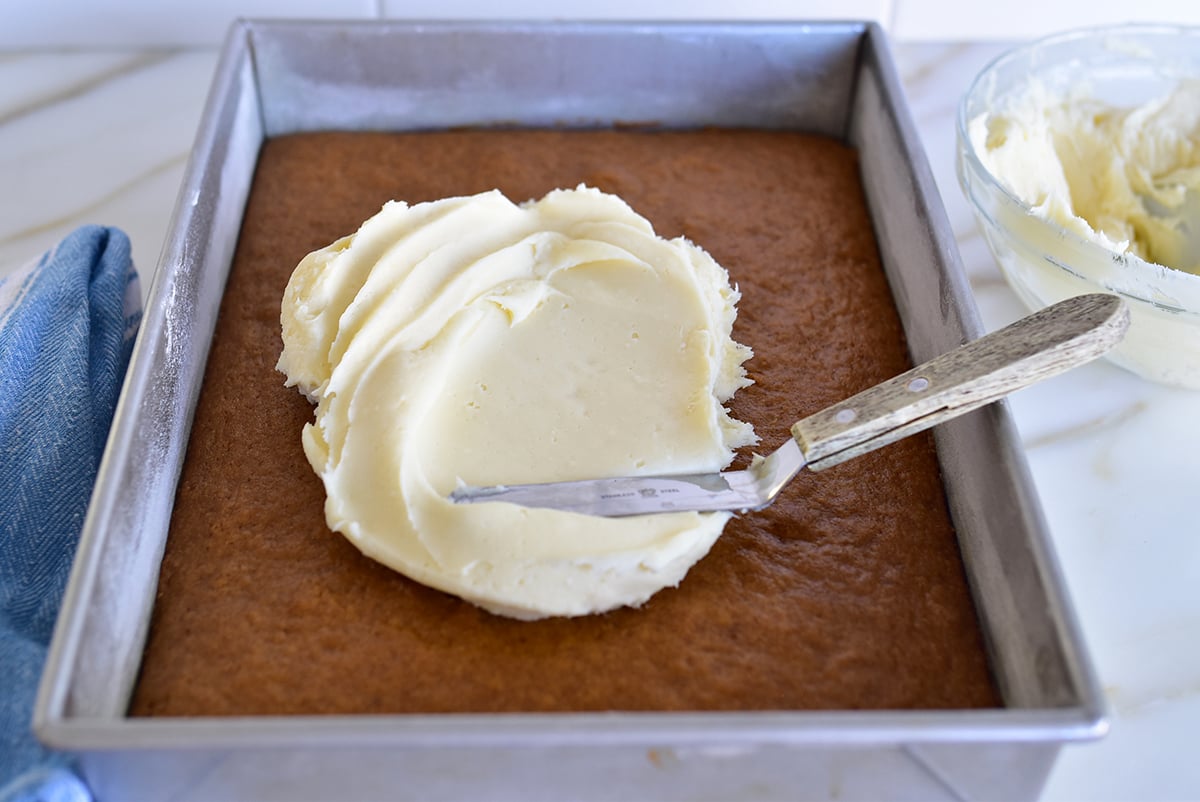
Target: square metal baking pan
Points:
x,y
833,78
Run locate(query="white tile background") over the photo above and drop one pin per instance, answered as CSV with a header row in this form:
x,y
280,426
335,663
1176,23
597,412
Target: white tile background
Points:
x,y
26,24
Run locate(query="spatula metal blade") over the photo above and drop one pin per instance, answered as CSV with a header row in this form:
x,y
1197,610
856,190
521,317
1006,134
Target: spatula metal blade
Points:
x,y
751,489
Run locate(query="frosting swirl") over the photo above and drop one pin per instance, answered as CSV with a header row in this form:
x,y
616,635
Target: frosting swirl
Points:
x,y
476,340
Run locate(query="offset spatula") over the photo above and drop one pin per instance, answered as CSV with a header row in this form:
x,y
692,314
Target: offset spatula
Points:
x,y
1046,343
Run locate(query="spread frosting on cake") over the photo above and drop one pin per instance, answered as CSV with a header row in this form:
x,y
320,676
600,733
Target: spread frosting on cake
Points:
x,y
1125,178
475,340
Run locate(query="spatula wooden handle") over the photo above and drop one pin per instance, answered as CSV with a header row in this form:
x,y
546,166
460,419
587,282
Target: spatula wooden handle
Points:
x,y
1046,343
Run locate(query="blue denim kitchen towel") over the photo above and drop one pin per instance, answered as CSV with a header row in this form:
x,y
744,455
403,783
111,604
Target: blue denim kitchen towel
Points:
x,y
67,323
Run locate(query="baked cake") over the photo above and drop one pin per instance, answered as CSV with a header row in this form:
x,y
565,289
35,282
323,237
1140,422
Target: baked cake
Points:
x,y
848,593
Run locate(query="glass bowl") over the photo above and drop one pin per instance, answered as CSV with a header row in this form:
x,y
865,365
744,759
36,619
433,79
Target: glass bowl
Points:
x,y
1044,262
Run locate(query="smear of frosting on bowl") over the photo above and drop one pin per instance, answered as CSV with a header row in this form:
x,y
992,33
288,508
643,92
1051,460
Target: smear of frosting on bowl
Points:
x,y
1127,179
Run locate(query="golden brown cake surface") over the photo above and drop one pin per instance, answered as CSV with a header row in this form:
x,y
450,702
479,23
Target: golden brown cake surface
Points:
x,y
847,593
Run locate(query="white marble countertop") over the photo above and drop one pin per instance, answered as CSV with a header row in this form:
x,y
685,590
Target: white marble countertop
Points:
x,y
103,137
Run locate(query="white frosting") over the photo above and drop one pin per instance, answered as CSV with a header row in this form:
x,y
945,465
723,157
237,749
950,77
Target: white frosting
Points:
x,y
475,340
1127,179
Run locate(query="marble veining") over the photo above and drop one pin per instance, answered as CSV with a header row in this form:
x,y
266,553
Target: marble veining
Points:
x,y
1087,427
104,136
99,137
44,79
